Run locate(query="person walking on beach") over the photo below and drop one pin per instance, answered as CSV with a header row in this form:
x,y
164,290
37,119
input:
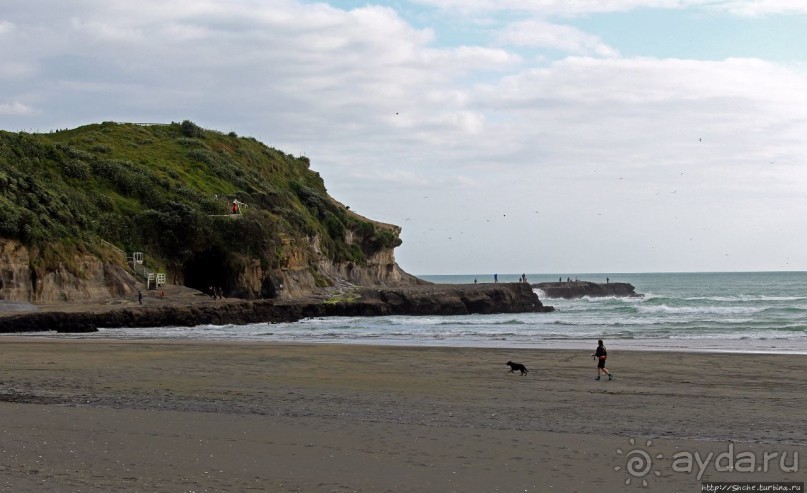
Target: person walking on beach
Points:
x,y
601,355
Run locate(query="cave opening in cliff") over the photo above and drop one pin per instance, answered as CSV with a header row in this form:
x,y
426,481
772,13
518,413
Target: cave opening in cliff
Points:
x,y
208,268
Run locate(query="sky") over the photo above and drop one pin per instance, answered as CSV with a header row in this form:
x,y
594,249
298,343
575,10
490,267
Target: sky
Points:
x,y
503,136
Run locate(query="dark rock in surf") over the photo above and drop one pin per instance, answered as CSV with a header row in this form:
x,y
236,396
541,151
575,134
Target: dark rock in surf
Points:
x,y
579,289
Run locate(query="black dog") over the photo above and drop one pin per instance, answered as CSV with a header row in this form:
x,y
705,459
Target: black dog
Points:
x,y
517,367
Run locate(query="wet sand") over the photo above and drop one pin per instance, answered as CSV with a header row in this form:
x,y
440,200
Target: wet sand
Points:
x,y
78,415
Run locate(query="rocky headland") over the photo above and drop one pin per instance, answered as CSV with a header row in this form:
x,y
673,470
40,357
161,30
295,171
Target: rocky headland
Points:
x,y
580,289
177,309
135,225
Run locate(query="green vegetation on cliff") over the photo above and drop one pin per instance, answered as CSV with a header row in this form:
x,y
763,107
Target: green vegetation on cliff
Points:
x,y
165,190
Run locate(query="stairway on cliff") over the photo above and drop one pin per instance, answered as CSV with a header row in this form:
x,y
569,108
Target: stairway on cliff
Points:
x,y
152,279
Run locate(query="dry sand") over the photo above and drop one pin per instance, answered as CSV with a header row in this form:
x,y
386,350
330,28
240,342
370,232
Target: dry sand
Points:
x,y
163,416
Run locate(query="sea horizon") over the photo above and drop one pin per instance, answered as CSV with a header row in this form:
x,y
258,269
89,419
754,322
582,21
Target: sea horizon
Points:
x,y
508,276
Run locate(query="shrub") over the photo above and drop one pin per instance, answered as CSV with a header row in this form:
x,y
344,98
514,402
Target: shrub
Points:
x,y
190,142
101,148
79,154
78,169
201,156
190,129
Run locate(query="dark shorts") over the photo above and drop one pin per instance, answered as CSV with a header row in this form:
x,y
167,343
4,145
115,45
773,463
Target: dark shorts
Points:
x,y
601,363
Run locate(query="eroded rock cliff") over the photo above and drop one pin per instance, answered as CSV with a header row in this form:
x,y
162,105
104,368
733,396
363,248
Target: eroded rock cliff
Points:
x,y
87,279
305,272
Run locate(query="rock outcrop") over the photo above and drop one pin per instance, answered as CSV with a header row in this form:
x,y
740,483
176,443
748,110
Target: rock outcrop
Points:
x,y
444,299
298,280
579,289
89,279
92,279
15,272
441,299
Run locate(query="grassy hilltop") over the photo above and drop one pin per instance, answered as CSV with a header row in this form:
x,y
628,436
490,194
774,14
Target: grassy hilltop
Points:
x,y
164,190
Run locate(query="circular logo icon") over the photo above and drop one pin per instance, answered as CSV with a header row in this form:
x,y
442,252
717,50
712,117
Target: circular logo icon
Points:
x,y
638,462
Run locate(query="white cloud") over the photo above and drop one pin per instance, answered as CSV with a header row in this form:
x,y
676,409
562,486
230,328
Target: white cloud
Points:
x,y
15,108
645,107
16,69
544,156
542,34
5,27
557,7
638,80
106,31
753,8
394,177
585,7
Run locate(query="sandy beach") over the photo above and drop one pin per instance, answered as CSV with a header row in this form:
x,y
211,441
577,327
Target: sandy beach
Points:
x,y
95,415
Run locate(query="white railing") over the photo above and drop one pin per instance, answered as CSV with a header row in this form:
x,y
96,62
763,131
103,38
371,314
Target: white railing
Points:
x,y
113,247
153,279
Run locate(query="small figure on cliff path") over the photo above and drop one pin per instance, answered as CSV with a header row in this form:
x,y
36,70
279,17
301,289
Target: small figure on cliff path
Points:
x,y
601,355
139,296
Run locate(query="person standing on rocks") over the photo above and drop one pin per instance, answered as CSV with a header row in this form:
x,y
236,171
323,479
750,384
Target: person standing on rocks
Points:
x,y
139,296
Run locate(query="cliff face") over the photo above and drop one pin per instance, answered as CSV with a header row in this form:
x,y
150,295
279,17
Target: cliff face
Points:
x,y
90,279
15,275
379,269
313,274
305,272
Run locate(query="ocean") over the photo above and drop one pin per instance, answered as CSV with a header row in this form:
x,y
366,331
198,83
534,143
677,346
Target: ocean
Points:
x,y
758,312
